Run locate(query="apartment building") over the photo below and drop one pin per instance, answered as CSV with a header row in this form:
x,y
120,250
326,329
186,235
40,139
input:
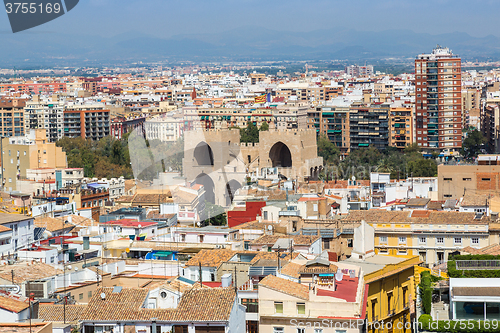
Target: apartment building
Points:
x,y
12,117
166,128
332,121
431,235
45,113
328,298
33,151
391,292
490,127
401,127
122,125
438,100
86,121
357,71
369,125
471,107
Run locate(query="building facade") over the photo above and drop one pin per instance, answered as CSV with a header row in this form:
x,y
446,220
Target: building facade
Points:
x,y
438,100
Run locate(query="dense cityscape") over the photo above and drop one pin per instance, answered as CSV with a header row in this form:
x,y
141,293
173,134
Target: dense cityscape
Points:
x,y
272,178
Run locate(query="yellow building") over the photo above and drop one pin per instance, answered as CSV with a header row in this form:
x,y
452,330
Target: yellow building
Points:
x,y
391,297
401,127
33,151
432,235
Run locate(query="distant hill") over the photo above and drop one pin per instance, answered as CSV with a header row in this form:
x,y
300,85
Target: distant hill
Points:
x,y
245,43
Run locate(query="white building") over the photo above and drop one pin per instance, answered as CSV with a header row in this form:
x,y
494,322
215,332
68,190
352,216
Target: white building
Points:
x,y
22,231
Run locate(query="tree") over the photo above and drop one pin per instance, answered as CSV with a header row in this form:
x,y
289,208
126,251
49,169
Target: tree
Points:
x,y
327,149
264,127
214,214
250,133
472,145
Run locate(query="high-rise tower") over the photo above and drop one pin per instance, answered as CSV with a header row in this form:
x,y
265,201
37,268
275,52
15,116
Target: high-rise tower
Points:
x,y
438,100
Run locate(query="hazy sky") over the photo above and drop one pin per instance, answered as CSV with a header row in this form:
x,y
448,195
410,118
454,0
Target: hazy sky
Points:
x,y
164,18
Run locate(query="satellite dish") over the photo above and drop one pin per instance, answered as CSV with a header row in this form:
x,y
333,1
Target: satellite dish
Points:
x,y
140,226
353,178
76,269
270,227
69,267
103,296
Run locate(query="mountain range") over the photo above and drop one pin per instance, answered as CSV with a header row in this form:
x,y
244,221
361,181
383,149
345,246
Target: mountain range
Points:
x,y
241,44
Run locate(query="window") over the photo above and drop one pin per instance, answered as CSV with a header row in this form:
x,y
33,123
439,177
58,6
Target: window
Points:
x,y
383,239
80,296
457,240
448,179
402,252
318,330
183,237
278,329
350,242
278,307
485,179
440,240
389,301
301,330
301,308
475,241
252,305
402,239
421,240
466,179
89,294
201,238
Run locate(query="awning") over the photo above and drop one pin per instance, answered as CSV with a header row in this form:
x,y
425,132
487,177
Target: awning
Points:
x,y
162,254
327,274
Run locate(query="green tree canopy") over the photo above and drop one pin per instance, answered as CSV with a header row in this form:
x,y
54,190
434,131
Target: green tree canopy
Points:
x,y
471,147
327,149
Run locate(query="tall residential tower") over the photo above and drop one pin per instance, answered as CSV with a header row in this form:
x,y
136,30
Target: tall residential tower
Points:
x,y
438,100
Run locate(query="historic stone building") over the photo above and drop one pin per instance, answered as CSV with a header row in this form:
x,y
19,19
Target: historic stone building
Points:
x,y
217,159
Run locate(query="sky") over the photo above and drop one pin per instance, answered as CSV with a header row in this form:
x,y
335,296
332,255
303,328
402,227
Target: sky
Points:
x,y
166,18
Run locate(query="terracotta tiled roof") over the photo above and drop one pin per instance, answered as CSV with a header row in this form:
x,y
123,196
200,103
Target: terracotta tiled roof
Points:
x,y
475,200
493,249
285,286
52,224
55,312
12,305
418,202
4,228
435,217
114,306
154,199
25,271
207,304
211,258
125,198
297,239
129,184
291,269
264,255
253,225
435,205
